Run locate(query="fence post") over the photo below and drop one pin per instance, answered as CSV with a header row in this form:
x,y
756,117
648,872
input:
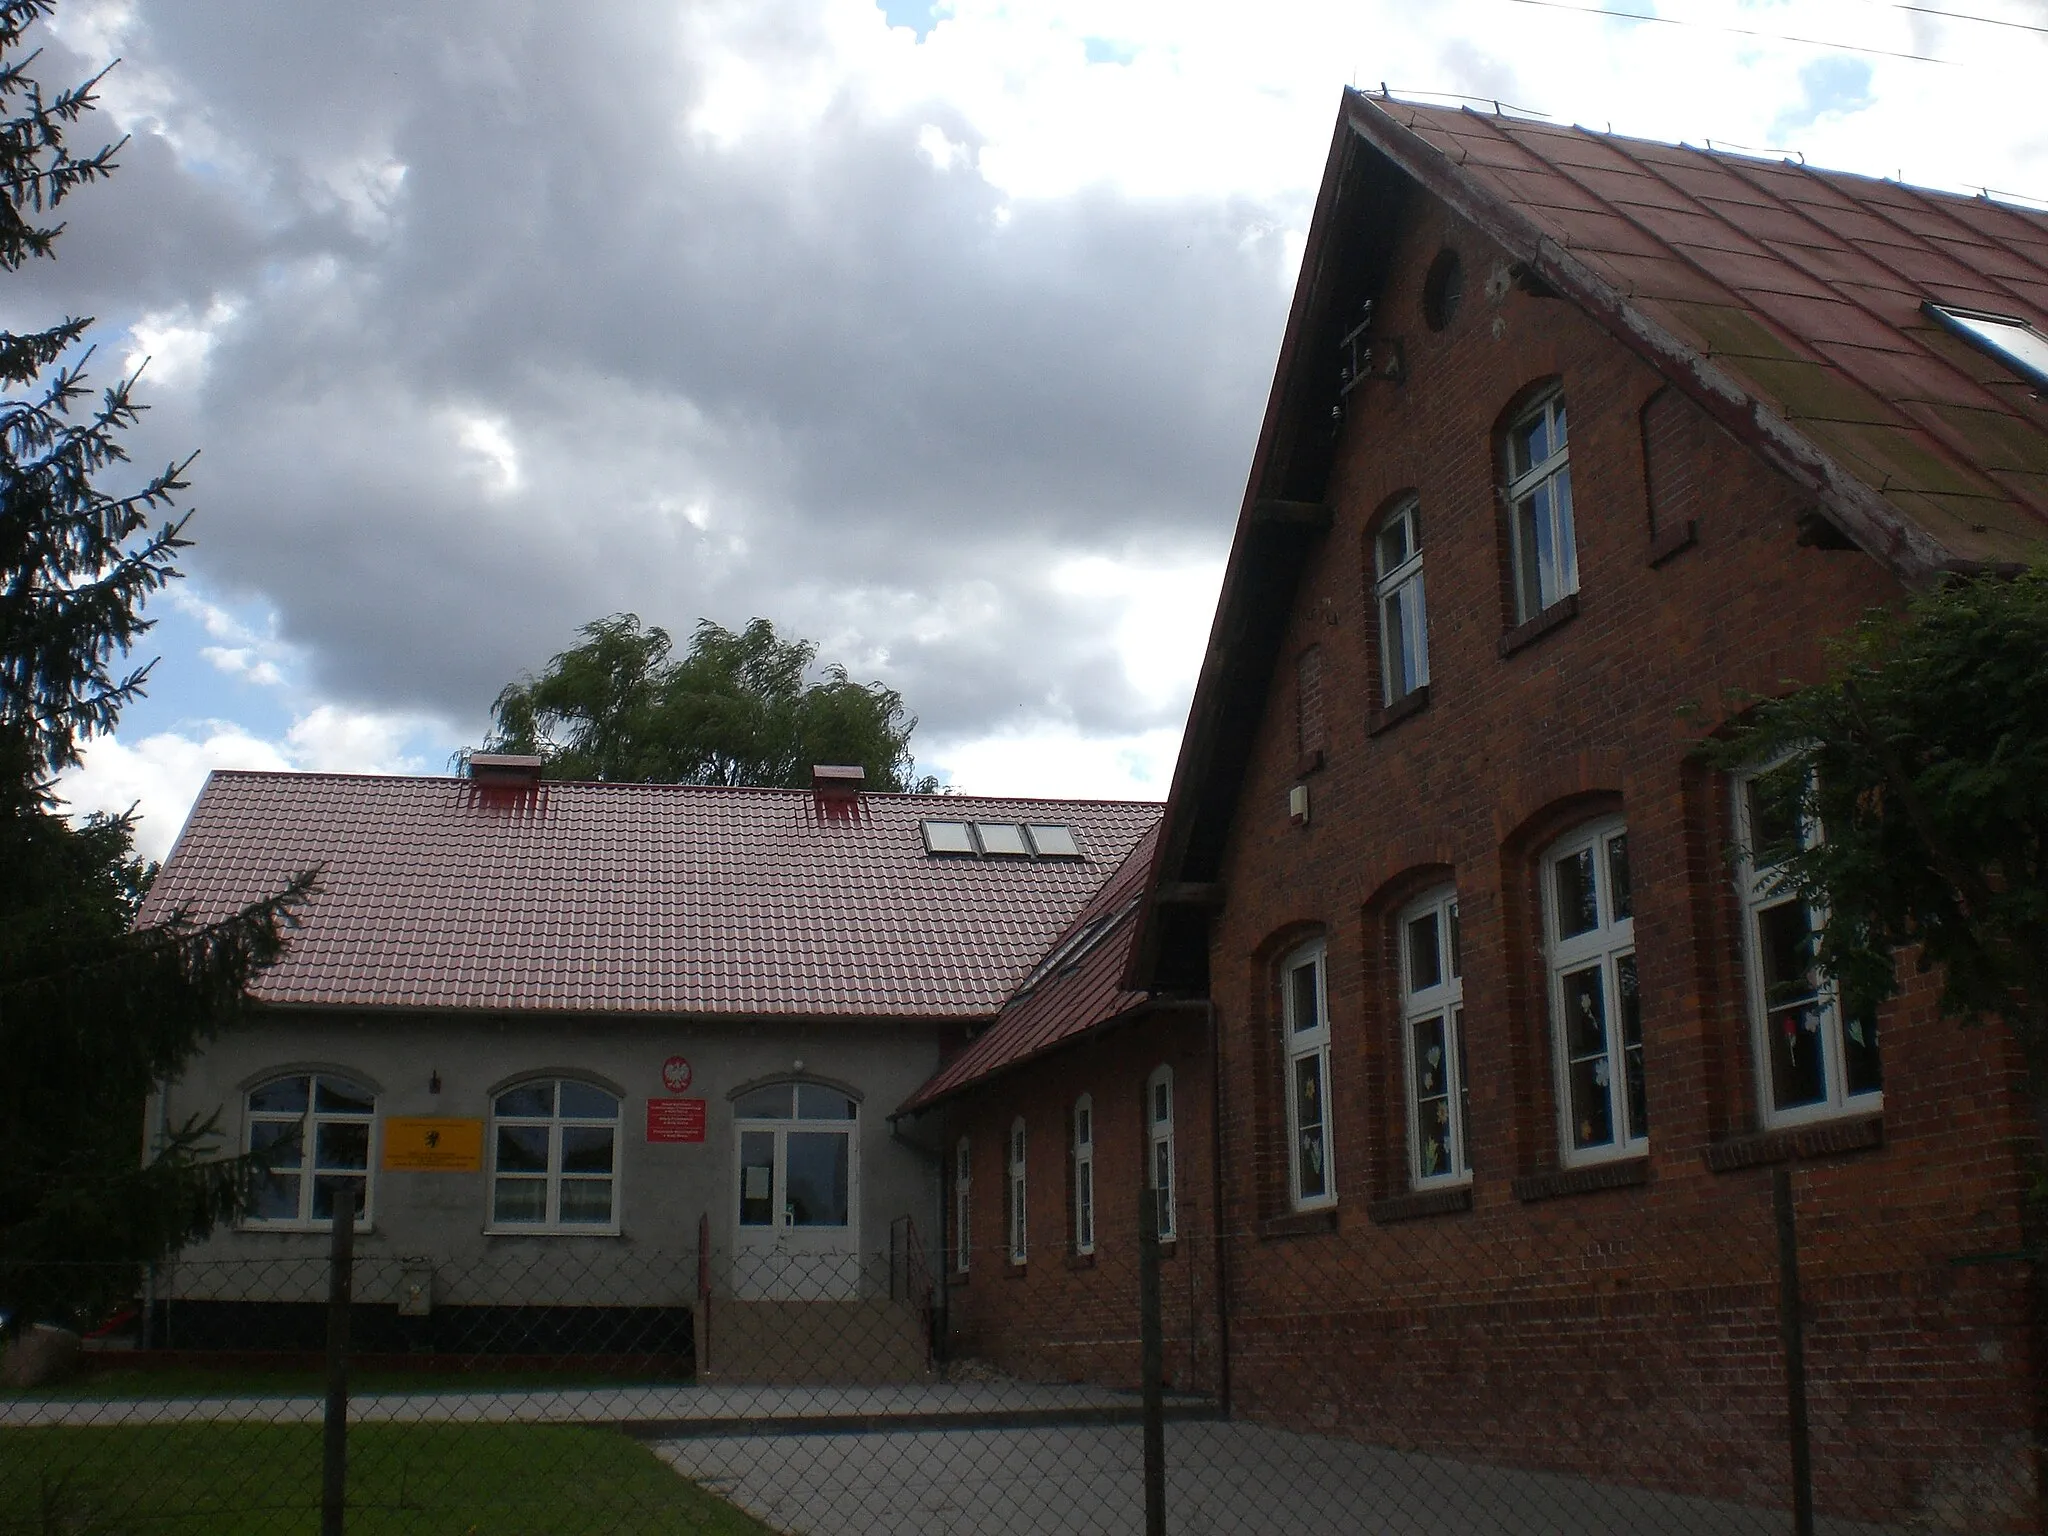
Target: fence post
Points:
x,y
1792,1326
334,1426
1151,1361
702,1363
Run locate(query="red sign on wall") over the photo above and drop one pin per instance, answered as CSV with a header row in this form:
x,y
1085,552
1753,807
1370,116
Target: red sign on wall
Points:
x,y
675,1119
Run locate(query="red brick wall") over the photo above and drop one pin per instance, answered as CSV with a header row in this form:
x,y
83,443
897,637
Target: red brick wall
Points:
x,y
1629,1333
1059,1317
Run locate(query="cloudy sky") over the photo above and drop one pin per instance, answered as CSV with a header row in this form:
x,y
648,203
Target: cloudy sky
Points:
x,y
938,333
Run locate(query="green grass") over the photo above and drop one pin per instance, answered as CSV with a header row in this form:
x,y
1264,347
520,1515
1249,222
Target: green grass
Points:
x,y
264,1480
200,1381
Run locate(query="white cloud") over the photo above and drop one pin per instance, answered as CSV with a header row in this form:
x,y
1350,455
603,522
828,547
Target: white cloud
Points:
x,y
175,344
161,774
1061,764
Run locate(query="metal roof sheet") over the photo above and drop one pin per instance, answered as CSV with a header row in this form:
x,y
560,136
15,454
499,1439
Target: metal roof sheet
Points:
x,y
440,893
1758,265
1076,986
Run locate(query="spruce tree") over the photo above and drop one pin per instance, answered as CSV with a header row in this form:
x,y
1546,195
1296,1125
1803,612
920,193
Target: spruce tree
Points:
x,y
92,1011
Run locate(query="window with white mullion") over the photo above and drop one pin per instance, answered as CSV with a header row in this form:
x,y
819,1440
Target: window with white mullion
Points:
x,y
1020,1246
1084,1175
1596,1006
313,1129
1397,590
1159,1118
1539,496
1433,1035
554,1157
1813,1061
1305,1026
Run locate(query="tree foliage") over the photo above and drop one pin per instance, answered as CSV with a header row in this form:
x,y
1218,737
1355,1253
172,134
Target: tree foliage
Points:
x,y
92,1012
1923,760
738,708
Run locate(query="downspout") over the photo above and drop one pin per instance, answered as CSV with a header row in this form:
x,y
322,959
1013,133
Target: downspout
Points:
x,y
1222,1241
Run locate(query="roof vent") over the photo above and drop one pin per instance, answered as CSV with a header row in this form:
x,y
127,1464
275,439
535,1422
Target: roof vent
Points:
x,y
505,770
837,779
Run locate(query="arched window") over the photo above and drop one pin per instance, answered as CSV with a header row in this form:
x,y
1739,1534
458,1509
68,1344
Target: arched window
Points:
x,y
1162,1172
1596,1010
1812,1061
1433,1040
1305,1035
1542,545
1020,1247
963,1168
314,1128
1084,1174
555,1158
1397,591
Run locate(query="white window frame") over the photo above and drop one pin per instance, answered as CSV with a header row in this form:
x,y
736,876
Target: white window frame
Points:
x,y
963,1204
1435,1005
1398,598
552,1225
1609,946
1309,1045
1084,1174
1762,890
308,1173
1537,590
1016,1154
1162,1154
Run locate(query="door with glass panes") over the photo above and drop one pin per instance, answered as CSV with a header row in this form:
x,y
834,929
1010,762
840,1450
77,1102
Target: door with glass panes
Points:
x,y
799,1187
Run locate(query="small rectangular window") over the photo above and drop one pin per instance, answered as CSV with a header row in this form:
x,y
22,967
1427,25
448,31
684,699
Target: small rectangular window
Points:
x,y
948,837
1002,840
1053,841
2006,337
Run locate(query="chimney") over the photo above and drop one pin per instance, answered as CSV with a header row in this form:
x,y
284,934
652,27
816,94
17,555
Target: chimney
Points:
x,y
504,770
837,781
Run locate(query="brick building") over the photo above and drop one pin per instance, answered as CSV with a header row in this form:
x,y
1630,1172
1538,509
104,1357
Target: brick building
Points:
x,y
1508,1039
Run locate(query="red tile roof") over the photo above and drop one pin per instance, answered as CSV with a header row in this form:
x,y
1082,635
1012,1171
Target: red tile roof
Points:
x,y
626,898
1076,986
1803,289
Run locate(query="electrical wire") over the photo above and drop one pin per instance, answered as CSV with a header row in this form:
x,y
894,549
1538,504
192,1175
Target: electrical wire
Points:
x,y
1779,37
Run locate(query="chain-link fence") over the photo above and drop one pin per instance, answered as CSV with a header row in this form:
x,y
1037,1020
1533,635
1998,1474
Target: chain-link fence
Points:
x,y
1439,1369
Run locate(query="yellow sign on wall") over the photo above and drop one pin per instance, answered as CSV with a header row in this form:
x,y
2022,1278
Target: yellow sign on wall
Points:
x,y
432,1144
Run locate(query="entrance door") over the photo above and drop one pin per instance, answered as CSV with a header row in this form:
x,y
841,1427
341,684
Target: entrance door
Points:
x,y
799,1187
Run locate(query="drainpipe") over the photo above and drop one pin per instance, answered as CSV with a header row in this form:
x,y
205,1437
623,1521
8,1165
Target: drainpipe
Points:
x,y
1216,1199
156,1131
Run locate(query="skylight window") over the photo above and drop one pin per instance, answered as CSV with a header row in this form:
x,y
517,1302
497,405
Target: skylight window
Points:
x,y
1054,842
1002,840
948,837
2006,337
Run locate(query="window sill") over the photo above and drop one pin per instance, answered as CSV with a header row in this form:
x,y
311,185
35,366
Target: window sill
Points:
x,y
1832,1138
302,1228
1622,1173
957,1278
1168,1247
1406,707
1081,1260
1015,1271
1527,633
1419,1204
1309,762
1672,542
1299,1224
553,1232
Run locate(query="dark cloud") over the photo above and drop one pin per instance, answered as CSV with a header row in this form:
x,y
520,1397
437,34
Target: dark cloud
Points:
x,y
808,375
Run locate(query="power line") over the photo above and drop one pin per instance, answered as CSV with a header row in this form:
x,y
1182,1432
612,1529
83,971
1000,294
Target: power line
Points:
x,y
1928,10
1707,26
